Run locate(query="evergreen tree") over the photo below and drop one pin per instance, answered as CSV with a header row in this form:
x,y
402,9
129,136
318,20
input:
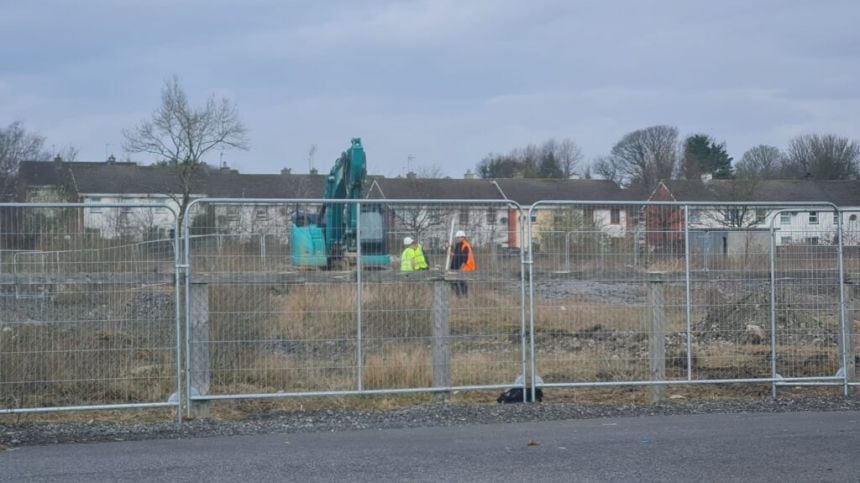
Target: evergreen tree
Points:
x,y
703,155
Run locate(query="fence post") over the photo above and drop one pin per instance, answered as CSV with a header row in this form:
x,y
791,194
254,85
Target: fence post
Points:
x,y
846,336
199,370
263,247
441,336
656,337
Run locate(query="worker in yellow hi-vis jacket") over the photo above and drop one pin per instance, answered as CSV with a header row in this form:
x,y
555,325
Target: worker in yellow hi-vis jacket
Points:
x,y
412,258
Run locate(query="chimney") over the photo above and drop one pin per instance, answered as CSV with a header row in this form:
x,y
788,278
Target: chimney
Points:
x,y
286,171
411,175
469,174
314,171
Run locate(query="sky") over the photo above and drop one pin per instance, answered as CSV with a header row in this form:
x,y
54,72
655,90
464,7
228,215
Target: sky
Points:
x,y
432,83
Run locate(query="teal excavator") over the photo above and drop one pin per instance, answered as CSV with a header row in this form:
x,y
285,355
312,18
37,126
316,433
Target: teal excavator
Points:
x,y
328,238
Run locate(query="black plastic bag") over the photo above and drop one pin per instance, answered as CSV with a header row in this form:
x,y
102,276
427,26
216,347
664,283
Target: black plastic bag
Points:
x,y
515,395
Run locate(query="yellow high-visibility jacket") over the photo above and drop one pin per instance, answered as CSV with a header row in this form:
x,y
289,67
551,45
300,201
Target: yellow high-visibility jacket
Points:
x,y
413,259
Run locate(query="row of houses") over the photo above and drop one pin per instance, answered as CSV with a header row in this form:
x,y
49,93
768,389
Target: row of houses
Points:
x,y
607,208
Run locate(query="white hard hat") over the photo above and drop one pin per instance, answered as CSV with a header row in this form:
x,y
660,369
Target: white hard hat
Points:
x,y
408,240
461,233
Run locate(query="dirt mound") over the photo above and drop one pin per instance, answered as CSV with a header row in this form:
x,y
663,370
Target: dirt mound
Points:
x,y
746,320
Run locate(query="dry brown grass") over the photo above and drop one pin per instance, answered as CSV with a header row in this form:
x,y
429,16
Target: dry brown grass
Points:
x,y
405,367
81,367
302,338
93,345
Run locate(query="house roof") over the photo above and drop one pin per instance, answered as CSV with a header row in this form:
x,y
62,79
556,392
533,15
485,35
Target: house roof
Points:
x,y
687,190
433,189
131,178
841,193
527,191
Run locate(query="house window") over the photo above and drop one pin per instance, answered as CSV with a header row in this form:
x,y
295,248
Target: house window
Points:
x,y
852,218
261,213
491,217
95,200
813,240
835,218
124,218
615,216
732,216
786,240
233,212
760,216
813,217
588,215
464,216
785,218
534,217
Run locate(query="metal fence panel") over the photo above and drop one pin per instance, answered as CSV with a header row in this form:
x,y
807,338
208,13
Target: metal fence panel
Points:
x,y
293,321
604,276
641,293
88,312
851,290
807,292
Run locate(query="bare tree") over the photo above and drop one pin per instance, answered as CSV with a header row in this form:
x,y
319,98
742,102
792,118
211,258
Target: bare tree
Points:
x,y
734,190
430,171
16,145
762,162
568,154
823,157
180,136
68,153
608,167
646,156
529,158
418,220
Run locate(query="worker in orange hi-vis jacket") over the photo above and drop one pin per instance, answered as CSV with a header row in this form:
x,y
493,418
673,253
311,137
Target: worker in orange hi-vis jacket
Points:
x,y
463,260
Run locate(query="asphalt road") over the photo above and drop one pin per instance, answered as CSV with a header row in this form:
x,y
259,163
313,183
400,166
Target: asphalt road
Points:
x,y
814,446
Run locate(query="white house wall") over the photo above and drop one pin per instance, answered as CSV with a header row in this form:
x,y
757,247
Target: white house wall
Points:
x,y
798,230
139,221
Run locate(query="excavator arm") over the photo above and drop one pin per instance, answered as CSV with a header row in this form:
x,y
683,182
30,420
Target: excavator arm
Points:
x,y
335,233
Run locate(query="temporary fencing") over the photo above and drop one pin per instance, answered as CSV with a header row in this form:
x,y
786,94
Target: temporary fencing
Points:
x,y
279,303
851,294
331,313
89,306
663,293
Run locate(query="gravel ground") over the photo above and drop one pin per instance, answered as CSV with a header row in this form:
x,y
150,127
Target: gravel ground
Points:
x,y
431,415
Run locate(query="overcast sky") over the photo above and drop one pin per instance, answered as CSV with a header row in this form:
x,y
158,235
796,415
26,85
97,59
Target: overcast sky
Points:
x,y
443,81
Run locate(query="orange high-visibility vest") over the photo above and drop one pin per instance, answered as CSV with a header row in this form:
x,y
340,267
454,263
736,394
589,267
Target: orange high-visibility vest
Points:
x,y
469,266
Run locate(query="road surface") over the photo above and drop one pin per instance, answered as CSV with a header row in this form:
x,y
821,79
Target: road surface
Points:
x,y
802,446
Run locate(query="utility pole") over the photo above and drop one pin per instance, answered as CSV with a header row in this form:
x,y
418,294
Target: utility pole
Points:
x,y
311,153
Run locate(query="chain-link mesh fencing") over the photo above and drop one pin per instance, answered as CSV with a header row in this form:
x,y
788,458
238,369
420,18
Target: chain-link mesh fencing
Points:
x,y
807,291
335,309
851,292
640,293
88,311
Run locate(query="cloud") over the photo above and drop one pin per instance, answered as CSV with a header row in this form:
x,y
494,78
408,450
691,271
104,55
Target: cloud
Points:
x,y
444,81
